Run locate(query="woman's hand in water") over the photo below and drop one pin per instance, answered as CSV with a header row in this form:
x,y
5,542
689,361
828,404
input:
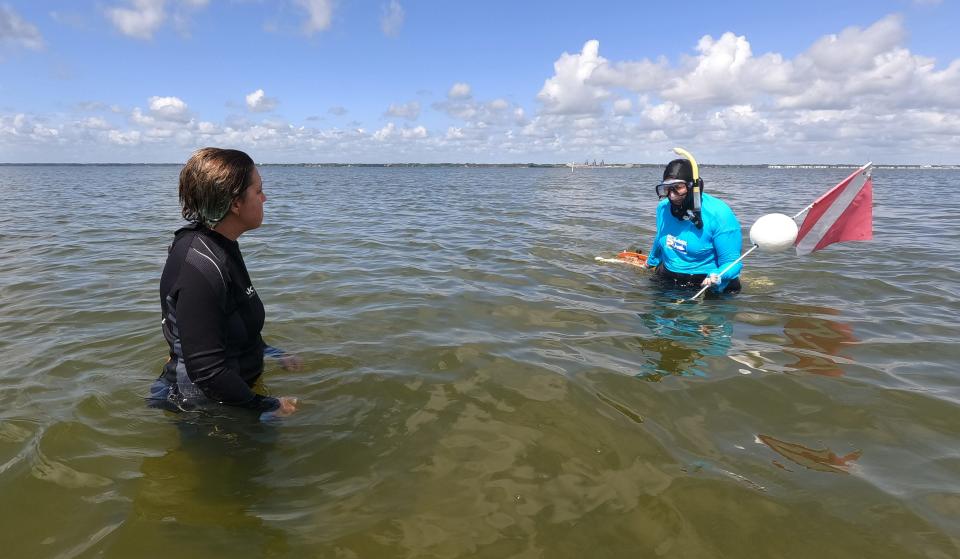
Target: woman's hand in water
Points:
x,y
711,279
291,362
288,361
288,405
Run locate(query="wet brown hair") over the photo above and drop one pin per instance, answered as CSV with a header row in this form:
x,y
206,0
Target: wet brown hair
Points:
x,y
210,181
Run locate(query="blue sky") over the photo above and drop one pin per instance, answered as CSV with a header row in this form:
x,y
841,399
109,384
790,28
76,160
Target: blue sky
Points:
x,y
447,81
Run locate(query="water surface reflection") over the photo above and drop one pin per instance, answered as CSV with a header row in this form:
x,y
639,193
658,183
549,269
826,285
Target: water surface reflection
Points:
x,y
682,334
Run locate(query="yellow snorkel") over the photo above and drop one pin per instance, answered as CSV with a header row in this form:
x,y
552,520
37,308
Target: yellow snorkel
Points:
x,y
696,169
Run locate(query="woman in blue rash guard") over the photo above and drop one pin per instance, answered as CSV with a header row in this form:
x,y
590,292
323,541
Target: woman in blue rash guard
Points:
x,y
212,315
697,236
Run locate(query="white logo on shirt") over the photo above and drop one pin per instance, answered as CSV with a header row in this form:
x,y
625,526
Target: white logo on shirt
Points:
x,y
250,291
676,244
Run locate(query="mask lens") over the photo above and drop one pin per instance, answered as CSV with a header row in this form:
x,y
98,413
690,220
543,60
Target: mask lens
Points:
x,y
664,188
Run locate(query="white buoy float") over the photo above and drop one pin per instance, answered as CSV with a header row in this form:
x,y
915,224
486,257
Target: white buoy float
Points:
x,y
774,232
770,233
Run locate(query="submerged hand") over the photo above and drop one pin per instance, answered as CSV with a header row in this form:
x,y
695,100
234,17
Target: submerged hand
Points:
x,y
711,279
291,362
288,405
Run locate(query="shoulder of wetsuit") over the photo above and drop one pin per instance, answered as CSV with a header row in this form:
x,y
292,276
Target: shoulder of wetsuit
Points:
x,y
190,230
210,260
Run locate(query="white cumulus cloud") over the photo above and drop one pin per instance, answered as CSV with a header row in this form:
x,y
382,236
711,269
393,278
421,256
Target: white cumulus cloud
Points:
x,y
137,116
391,18
130,138
716,76
416,132
622,106
258,102
570,91
662,114
391,131
849,87
140,19
385,132
459,90
94,123
208,128
24,127
319,15
408,111
856,94
855,48
17,31
171,109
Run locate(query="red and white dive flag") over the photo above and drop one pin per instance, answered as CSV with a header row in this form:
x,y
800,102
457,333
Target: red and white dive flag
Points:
x,y
845,213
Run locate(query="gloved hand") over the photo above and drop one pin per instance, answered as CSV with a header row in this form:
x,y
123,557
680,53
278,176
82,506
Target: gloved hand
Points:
x,y
711,279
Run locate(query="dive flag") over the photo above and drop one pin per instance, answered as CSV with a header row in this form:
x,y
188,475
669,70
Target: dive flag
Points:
x,y
845,213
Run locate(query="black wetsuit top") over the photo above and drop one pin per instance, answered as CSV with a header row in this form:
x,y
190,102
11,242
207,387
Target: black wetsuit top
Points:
x,y
212,318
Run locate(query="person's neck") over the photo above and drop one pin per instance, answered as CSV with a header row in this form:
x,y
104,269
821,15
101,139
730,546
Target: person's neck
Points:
x,y
229,228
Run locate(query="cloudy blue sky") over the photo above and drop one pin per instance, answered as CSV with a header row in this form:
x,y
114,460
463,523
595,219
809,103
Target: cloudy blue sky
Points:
x,y
493,81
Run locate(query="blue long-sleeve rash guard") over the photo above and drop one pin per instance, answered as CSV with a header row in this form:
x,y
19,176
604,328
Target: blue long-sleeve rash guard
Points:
x,y
684,249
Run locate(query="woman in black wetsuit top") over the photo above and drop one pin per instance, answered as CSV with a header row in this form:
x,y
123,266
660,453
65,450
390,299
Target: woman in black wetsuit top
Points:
x,y
212,315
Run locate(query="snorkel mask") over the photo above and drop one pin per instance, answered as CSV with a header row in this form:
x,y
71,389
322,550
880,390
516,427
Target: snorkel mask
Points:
x,y
665,187
683,171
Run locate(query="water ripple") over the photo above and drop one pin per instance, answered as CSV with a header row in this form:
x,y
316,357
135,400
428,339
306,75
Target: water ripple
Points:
x,y
476,385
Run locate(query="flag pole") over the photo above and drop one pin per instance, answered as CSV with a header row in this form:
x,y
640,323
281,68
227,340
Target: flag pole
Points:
x,y
869,163
744,255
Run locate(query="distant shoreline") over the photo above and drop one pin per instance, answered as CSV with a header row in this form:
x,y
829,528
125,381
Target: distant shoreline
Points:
x,y
517,165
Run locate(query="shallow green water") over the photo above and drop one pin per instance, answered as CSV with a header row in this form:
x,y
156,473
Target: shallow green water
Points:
x,y
475,384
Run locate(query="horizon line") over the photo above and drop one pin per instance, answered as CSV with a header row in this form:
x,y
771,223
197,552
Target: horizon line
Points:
x,y
515,164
